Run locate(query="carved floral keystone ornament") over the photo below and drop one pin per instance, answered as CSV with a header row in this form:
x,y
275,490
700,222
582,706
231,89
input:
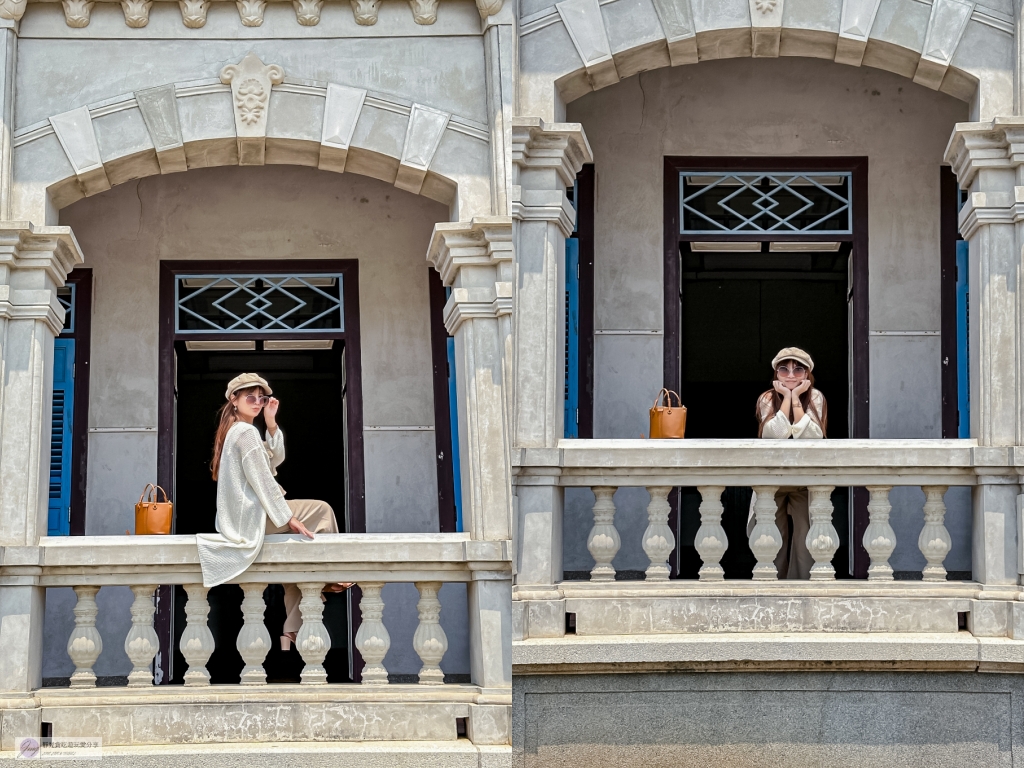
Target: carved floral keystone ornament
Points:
x,y
251,81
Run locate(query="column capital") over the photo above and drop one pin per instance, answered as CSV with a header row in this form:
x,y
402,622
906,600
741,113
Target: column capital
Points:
x,y
996,144
25,248
474,258
559,146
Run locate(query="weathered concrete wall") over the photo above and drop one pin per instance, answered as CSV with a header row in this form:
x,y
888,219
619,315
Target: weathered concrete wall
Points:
x,y
748,720
270,213
776,107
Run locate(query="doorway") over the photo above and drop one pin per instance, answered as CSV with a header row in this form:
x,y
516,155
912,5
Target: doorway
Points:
x,y
310,385
297,323
761,254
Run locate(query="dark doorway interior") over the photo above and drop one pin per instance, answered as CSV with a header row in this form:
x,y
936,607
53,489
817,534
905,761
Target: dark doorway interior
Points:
x,y
736,311
310,385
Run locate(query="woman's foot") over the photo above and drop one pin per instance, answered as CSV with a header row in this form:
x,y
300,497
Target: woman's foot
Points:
x,y
287,639
341,586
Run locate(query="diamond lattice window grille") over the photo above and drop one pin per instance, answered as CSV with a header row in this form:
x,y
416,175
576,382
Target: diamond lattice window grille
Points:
x,y
66,298
252,303
813,203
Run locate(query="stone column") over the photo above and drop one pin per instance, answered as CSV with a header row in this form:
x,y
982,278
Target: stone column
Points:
x,y
34,262
475,260
489,595
546,158
988,159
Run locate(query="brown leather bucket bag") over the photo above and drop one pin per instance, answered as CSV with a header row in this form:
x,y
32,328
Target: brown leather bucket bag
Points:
x,y
667,421
151,515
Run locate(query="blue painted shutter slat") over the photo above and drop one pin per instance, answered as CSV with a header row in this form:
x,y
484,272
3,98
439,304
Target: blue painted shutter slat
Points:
x,y
62,415
963,345
572,336
453,410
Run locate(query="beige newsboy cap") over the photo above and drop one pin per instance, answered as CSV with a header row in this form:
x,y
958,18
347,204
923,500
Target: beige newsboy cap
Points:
x,y
793,353
245,380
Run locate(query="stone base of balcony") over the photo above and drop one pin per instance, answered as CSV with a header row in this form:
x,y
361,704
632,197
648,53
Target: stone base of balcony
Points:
x,y
436,754
221,715
764,651
684,607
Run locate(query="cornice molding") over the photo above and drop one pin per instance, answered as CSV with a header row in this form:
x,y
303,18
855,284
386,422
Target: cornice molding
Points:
x,y
562,146
977,146
24,247
483,241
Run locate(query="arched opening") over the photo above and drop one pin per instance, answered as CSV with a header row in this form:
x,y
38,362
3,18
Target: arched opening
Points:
x,y
357,392
707,312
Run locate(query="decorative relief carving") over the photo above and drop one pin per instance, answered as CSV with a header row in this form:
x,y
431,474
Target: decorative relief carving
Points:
x,y
366,11
488,7
424,11
77,13
251,81
765,6
193,12
307,12
251,12
12,9
136,12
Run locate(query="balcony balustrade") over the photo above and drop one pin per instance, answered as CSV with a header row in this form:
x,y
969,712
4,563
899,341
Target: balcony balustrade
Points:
x,y
255,710
547,606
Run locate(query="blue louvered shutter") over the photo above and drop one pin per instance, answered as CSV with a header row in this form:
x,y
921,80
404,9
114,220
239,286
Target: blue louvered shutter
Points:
x,y
963,344
59,521
453,415
572,336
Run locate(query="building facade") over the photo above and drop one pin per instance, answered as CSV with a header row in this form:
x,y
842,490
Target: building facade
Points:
x,y
746,176
468,243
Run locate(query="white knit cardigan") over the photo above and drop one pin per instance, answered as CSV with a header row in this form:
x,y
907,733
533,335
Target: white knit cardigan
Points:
x,y
246,495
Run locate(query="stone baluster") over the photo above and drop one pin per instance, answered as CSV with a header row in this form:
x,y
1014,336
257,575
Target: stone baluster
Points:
x,y
141,644
711,541
934,541
196,642
879,537
430,642
603,541
658,541
85,644
822,539
253,641
372,639
313,640
765,538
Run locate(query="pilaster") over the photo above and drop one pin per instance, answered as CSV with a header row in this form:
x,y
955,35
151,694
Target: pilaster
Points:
x,y
547,157
988,159
34,262
475,260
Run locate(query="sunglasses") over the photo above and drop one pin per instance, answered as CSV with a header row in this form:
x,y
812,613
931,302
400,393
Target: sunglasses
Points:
x,y
796,370
259,400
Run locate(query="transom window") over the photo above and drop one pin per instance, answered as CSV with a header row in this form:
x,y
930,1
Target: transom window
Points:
x,y
258,303
66,298
756,203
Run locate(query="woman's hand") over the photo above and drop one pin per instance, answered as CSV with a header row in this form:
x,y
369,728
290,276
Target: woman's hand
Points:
x,y
802,387
270,413
297,527
781,389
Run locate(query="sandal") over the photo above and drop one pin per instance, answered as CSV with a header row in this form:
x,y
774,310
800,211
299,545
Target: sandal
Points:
x,y
287,639
341,586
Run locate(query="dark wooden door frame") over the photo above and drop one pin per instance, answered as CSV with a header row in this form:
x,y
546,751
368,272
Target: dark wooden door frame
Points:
x,y
356,502
81,278
949,233
858,167
443,437
586,209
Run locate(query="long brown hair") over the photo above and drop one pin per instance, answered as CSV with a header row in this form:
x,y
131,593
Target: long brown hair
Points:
x,y
806,402
226,418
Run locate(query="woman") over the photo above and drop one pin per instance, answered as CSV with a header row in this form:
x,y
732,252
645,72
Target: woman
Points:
x,y
249,500
791,408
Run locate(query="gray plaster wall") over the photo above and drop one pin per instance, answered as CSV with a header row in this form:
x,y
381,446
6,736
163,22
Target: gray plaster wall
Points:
x,y
268,213
762,720
768,107
441,65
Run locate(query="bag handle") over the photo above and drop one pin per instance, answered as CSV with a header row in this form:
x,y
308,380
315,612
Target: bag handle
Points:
x,y
151,488
668,398
146,490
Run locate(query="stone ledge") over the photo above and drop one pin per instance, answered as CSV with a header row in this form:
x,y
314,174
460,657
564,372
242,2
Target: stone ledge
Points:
x,y
422,754
620,653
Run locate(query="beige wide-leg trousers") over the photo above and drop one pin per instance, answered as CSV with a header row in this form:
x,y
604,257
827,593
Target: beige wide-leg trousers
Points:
x,y
793,560
318,517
